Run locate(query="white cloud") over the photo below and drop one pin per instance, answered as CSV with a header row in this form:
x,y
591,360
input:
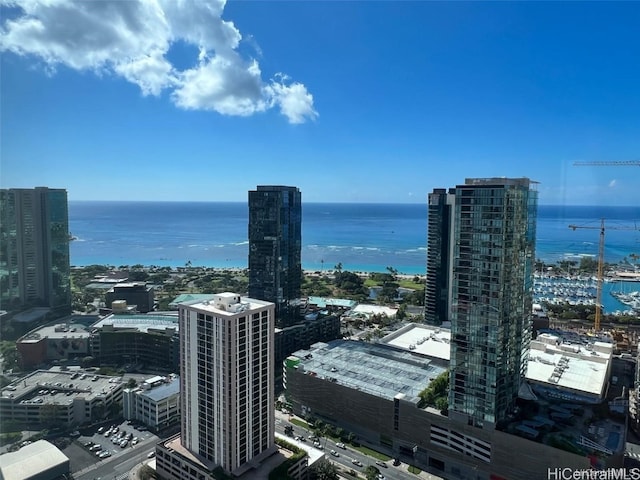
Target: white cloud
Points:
x,y
612,183
295,102
131,39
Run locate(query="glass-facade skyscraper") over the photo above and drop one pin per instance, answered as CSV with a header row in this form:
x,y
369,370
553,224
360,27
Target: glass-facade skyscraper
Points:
x,y
437,288
275,243
489,231
34,248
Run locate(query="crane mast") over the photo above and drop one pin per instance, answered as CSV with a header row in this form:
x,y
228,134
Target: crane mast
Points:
x,y
600,275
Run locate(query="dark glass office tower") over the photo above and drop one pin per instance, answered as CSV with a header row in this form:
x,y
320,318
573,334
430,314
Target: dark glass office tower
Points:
x,y
437,288
34,248
275,242
492,257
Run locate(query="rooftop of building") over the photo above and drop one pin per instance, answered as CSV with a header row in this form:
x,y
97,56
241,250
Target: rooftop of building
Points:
x,y
58,331
190,298
160,388
31,460
229,304
323,302
31,315
131,285
424,339
525,182
57,387
367,310
377,369
140,322
577,367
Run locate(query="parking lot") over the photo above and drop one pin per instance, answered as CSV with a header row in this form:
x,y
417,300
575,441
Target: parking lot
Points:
x,y
94,445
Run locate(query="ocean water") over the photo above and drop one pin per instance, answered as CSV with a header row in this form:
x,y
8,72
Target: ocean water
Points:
x,y
363,237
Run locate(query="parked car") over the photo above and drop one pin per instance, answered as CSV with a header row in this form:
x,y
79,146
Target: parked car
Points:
x,y
101,429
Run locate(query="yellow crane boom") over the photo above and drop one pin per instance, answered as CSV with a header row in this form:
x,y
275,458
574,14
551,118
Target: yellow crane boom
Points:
x,y
600,277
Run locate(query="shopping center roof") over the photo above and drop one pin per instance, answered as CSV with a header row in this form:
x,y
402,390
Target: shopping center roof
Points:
x,y
377,369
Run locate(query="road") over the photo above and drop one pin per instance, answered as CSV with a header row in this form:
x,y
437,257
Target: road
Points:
x,y
347,455
117,467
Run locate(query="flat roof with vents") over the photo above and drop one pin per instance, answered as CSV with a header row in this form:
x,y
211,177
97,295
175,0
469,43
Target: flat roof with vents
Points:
x,y
377,369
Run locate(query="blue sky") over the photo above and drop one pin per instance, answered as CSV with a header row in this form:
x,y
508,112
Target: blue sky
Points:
x,y
349,101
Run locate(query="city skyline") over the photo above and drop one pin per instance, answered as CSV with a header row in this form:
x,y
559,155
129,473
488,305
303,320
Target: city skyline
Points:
x,y
374,102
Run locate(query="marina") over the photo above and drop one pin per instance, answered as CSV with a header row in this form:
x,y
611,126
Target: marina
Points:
x,y
619,297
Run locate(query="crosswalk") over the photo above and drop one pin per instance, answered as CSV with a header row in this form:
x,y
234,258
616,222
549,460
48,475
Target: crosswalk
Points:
x,y
122,476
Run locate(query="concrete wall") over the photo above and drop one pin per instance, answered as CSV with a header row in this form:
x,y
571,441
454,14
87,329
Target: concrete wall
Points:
x,y
371,418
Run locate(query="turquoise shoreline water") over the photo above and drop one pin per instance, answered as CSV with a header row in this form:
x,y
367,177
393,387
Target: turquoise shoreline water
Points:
x,y
362,237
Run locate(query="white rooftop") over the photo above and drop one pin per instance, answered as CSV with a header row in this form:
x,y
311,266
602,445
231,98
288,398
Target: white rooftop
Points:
x,y
31,460
424,339
228,303
581,368
368,310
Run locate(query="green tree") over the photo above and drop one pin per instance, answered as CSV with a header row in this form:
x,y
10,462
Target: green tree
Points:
x,y
371,472
442,404
9,354
323,470
438,388
132,383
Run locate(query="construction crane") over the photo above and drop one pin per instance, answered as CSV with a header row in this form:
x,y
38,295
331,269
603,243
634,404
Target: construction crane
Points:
x,y
600,277
625,163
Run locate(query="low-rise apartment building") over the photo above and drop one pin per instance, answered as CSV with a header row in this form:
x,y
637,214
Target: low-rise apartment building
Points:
x,y
156,402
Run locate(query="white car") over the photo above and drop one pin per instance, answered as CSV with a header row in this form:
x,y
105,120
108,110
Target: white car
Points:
x,y
356,462
334,453
151,454
340,445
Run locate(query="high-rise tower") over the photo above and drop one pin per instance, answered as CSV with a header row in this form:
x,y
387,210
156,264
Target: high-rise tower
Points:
x,y
34,248
227,385
484,262
437,288
275,242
